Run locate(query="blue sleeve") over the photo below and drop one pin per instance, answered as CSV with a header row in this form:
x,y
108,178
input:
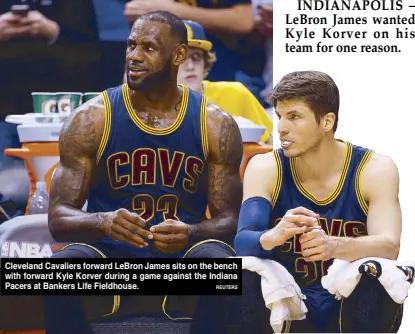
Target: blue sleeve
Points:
x,y
254,220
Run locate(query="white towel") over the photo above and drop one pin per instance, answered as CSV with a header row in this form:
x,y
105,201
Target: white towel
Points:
x,y
343,276
281,293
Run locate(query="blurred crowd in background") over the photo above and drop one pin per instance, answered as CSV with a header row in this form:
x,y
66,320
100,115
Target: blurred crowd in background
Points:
x,y
79,46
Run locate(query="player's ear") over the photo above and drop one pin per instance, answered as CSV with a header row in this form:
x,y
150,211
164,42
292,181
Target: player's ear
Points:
x,y
180,54
328,121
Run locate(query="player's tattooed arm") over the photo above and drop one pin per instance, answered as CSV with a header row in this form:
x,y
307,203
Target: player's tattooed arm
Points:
x,y
224,183
78,145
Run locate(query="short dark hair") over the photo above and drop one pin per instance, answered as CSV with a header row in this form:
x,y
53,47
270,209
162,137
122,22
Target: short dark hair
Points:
x,y
177,27
317,89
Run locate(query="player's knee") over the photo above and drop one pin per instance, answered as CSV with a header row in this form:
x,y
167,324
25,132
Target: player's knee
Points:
x,y
371,285
210,250
76,252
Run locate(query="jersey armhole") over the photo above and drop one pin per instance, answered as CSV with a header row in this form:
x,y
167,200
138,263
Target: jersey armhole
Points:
x,y
278,179
364,206
107,126
203,127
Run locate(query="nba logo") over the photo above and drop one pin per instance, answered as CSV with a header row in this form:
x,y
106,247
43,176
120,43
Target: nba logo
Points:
x,y
4,249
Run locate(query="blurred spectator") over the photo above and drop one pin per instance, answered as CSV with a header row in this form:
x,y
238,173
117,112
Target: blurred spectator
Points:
x,y
229,26
46,45
113,30
234,16
42,48
233,97
263,14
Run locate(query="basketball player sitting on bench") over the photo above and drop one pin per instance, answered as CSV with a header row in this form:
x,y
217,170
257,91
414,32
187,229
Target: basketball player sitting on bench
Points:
x,y
314,200
149,156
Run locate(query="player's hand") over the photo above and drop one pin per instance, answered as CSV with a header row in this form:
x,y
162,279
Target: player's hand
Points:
x,y
135,8
170,236
126,226
12,26
295,221
316,246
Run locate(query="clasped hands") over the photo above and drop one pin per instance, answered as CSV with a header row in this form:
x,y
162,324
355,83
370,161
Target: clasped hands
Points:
x,y
34,24
315,243
170,236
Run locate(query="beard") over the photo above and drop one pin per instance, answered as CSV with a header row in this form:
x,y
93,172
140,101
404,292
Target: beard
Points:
x,y
310,147
154,80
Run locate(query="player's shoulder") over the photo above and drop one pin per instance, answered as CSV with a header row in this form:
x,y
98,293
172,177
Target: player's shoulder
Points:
x,y
221,123
263,164
368,157
215,115
261,175
379,165
90,112
379,172
84,127
223,134
372,162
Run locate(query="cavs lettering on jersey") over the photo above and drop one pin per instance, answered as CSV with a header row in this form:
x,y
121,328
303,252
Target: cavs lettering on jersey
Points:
x,y
343,212
158,173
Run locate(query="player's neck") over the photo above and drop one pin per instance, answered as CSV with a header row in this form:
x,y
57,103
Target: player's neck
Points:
x,y
324,160
163,98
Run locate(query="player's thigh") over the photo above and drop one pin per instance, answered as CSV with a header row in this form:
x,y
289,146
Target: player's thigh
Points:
x,y
94,307
179,307
98,250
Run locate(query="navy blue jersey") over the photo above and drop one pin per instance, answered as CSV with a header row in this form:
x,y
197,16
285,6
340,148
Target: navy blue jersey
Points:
x,y
158,173
343,212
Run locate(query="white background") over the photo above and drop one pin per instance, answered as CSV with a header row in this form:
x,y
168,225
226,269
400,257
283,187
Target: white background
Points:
x,y
377,105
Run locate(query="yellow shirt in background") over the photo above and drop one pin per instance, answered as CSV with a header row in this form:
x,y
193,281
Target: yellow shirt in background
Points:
x,y
237,100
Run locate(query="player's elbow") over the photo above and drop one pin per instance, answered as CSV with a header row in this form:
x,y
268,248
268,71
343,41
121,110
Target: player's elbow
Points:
x,y
54,228
231,226
55,225
392,248
55,232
